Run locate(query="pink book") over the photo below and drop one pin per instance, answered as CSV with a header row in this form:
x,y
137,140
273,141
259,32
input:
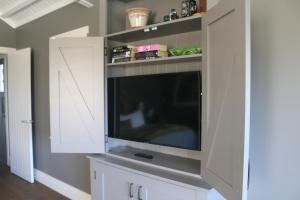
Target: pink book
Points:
x,y
152,47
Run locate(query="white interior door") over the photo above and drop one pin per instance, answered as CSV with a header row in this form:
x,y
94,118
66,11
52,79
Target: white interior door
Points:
x,y
19,113
77,95
3,145
226,98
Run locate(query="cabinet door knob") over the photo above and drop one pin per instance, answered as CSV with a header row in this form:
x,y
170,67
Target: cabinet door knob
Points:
x,y
140,193
130,190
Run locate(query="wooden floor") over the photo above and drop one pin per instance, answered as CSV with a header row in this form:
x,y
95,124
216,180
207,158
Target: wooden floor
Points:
x,y
14,188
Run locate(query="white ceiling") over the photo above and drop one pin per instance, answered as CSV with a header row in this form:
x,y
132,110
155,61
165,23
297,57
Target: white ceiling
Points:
x,y
19,12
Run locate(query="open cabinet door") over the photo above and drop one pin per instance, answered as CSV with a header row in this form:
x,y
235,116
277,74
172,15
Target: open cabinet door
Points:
x,y
20,113
226,98
77,95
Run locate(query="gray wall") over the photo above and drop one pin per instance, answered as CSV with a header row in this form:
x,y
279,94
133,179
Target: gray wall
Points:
x,y
275,132
7,35
72,169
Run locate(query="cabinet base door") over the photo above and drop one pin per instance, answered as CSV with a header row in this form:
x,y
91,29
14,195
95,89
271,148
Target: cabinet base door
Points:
x,y
77,95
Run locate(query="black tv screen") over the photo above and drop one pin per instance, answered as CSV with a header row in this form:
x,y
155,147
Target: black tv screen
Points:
x,y
159,109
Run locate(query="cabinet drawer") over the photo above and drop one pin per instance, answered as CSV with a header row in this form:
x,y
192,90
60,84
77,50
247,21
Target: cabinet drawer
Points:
x,y
115,185
109,183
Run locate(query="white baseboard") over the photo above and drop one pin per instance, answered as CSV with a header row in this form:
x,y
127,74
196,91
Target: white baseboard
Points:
x,y
60,186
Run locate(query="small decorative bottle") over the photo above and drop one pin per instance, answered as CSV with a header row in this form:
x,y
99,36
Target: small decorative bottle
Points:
x,y
173,14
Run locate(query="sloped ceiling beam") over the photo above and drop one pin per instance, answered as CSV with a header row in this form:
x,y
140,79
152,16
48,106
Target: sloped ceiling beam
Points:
x,y
16,8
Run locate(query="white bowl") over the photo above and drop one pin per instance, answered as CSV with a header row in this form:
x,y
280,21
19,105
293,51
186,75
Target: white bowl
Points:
x,y
138,17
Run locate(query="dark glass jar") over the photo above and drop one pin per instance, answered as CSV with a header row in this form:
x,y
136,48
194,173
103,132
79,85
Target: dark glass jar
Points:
x,y
188,8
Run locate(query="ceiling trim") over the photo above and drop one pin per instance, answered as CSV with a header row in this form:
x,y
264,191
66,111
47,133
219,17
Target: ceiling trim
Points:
x,y
16,8
44,12
9,22
86,3
5,15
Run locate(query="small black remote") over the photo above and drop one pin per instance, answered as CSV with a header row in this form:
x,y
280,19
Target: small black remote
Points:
x,y
143,155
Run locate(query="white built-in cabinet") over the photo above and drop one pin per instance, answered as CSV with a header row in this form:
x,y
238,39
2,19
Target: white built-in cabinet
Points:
x,y
115,180
77,107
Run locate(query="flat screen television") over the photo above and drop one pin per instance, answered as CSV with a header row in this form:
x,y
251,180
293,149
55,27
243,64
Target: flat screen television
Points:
x,y
162,109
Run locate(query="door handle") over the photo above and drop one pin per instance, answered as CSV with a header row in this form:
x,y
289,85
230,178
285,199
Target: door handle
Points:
x,y
27,121
140,193
130,190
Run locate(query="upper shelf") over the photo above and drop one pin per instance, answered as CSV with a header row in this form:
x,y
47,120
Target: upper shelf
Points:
x,y
181,25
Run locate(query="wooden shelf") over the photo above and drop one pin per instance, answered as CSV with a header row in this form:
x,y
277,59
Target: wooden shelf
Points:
x,y
159,60
181,25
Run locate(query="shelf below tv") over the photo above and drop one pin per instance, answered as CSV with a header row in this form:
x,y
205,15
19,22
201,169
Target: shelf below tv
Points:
x,y
186,166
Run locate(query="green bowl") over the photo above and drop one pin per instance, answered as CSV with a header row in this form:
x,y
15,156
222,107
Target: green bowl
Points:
x,y
185,51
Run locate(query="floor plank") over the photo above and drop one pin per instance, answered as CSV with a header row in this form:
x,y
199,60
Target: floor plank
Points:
x,y
14,188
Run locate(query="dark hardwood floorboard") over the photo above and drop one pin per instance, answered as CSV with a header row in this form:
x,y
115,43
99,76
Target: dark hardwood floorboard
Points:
x,y
15,188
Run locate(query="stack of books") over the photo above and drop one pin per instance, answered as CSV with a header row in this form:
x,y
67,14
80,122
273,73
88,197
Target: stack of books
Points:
x,y
124,53
129,53
151,51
